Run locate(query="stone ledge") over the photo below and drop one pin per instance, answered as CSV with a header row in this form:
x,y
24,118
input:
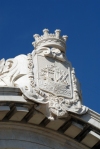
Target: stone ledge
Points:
x,y
91,117
14,108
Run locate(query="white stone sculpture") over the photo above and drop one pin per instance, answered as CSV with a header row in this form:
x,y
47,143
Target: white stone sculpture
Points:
x,y
45,77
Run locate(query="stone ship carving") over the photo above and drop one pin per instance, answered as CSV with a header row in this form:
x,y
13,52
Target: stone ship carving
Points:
x,y
45,77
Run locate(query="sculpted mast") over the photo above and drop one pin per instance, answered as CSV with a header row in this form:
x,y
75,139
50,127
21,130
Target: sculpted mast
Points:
x,y
45,77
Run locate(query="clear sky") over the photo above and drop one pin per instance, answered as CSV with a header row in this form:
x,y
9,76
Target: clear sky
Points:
x,y
79,19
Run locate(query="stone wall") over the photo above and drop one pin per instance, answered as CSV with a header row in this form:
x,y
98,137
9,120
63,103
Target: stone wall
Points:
x,y
25,136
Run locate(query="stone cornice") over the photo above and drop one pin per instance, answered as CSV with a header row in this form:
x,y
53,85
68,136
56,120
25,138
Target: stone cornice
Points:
x,y
17,111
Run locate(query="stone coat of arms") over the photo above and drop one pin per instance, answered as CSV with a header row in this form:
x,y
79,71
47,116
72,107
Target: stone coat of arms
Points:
x,y
47,77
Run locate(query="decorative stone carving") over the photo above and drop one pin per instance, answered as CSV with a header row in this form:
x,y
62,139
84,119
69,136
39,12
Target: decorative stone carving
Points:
x,y
45,77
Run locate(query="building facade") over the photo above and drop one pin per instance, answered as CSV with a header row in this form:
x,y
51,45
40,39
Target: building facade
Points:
x,y
41,102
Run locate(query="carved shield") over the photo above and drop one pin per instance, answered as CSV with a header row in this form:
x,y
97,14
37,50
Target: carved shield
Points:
x,y
54,76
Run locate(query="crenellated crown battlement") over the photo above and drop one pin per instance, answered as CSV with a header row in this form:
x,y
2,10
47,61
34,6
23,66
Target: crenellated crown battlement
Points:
x,y
50,40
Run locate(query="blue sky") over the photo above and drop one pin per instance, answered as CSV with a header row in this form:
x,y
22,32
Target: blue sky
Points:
x,y
79,19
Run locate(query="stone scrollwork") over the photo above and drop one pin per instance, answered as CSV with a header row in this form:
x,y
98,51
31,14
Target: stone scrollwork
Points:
x,y
8,72
2,62
52,52
45,77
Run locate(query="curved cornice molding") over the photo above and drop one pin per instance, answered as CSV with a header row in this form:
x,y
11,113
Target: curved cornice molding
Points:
x,y
17,112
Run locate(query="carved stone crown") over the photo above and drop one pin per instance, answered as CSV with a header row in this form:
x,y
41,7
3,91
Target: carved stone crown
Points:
x,y
50,40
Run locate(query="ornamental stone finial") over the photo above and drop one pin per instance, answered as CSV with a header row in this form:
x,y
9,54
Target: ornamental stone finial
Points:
x,y
65,37
36,36
45,31
57,32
